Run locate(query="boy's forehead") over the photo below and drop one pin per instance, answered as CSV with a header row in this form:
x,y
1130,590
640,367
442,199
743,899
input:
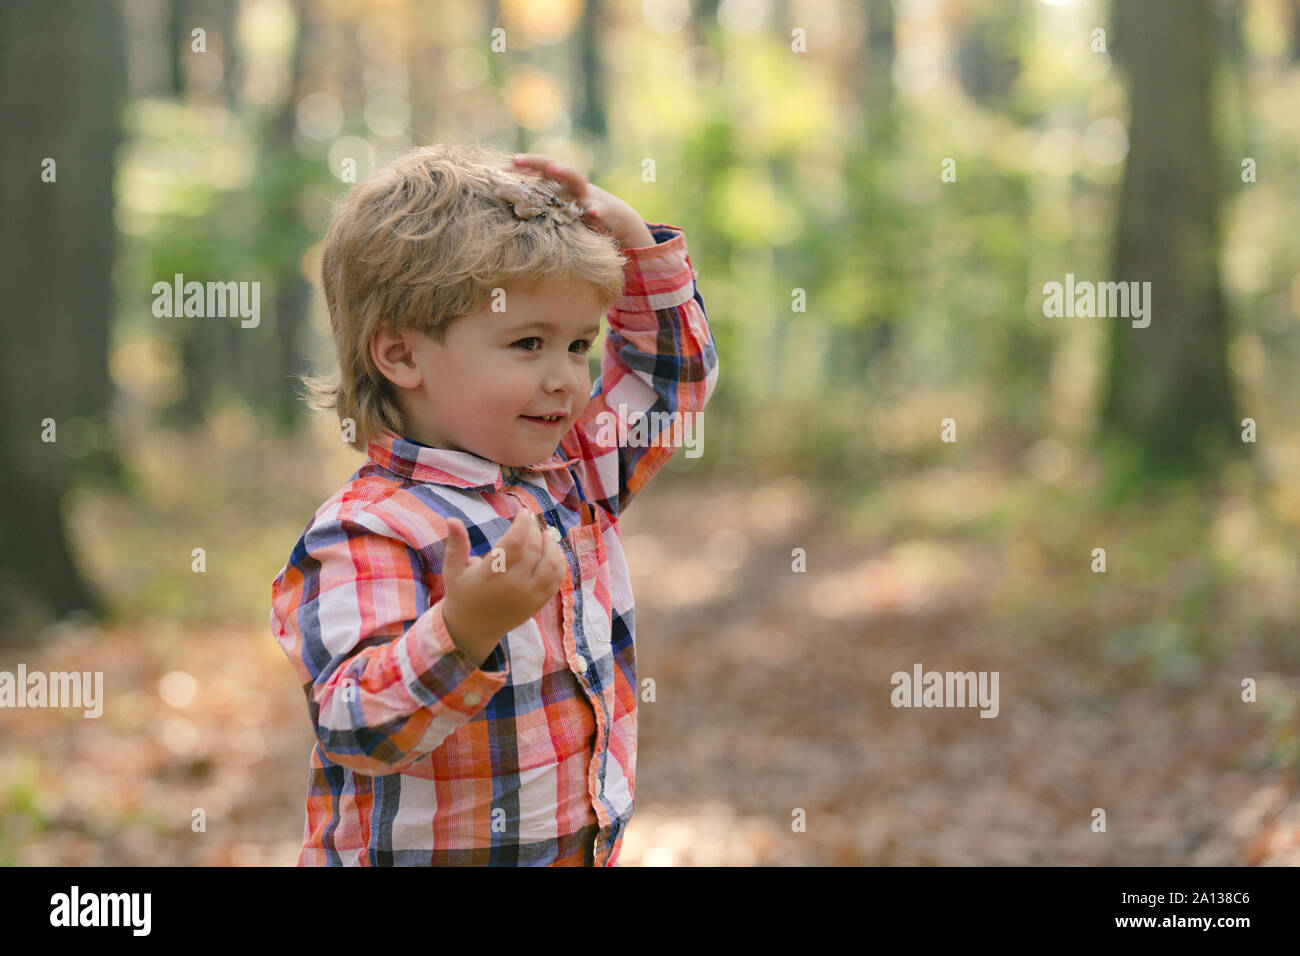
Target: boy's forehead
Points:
x,y
548,302
577,322
553,290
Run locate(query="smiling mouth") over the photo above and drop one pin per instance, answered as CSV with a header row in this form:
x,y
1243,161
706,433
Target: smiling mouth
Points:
x,y
552,420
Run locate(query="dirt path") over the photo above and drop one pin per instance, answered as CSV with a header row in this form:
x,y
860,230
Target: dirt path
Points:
x,y
775,695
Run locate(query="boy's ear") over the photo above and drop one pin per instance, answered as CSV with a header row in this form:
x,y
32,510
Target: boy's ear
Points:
x,y
392,351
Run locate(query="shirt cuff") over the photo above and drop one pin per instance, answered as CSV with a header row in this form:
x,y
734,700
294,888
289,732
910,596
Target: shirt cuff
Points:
x,y
445,675
654,277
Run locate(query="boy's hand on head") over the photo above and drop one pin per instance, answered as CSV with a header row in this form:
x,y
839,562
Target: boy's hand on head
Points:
x,y
602,211
481,604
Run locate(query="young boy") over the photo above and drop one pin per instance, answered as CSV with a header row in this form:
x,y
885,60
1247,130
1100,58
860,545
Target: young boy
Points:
x,y
459,613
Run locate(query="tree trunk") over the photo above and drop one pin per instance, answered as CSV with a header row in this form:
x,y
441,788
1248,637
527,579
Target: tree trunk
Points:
x,y
275,388
590,109
1168,391
178,44
61,79
1295,29
866,159
704,20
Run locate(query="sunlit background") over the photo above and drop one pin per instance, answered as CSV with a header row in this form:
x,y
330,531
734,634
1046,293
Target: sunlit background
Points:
x,y
857,300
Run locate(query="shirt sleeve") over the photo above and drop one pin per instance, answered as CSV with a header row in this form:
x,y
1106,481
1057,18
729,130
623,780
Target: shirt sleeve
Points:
x,y
659,366
361,623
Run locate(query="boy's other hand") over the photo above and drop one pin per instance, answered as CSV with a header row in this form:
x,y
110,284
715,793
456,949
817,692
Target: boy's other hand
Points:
x,y
481,604
602,211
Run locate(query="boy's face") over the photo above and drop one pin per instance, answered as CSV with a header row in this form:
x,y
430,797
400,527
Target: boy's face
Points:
x,y
472,391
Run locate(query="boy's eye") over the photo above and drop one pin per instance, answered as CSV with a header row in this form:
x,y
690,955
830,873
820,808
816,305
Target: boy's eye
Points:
x,y
585,343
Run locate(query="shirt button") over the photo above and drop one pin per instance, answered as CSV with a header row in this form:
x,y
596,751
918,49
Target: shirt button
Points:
x,y
554,532
582,663
473,697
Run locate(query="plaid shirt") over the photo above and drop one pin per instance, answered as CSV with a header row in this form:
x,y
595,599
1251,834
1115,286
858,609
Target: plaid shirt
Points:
x,y
422,757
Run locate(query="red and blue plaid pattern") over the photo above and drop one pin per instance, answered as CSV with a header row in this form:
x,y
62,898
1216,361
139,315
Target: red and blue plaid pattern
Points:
x,y
422,757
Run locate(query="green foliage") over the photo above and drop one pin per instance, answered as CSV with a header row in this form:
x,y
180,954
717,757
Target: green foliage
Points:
x,y
21,812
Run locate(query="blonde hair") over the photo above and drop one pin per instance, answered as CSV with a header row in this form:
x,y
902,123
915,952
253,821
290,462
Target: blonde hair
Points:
x,y
421,241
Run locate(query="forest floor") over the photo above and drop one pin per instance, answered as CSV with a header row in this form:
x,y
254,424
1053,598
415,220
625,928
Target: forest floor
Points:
x,y
771,740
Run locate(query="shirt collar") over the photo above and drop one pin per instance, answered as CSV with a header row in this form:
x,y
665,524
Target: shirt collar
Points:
x,y
460,469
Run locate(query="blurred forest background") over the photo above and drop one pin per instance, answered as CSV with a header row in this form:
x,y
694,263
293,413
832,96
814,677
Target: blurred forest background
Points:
x,y
874,193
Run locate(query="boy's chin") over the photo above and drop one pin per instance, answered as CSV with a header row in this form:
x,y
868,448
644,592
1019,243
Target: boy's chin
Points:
x,y
544,451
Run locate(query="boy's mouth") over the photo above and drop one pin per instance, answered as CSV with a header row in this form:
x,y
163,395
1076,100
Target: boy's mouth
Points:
x,y
549,421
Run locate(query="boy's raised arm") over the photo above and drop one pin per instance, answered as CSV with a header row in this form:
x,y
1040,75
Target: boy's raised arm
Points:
x,y
385,684
658,361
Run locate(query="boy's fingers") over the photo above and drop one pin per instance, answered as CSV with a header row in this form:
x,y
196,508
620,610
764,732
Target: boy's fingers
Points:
x,y
518,521
595,220
535,161
570,177
547,568
457,549
549,576
516,534
546,552
565,171
536,540
523,541
457,536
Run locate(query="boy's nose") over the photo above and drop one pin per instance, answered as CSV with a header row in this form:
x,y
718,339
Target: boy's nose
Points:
x,y
566,379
